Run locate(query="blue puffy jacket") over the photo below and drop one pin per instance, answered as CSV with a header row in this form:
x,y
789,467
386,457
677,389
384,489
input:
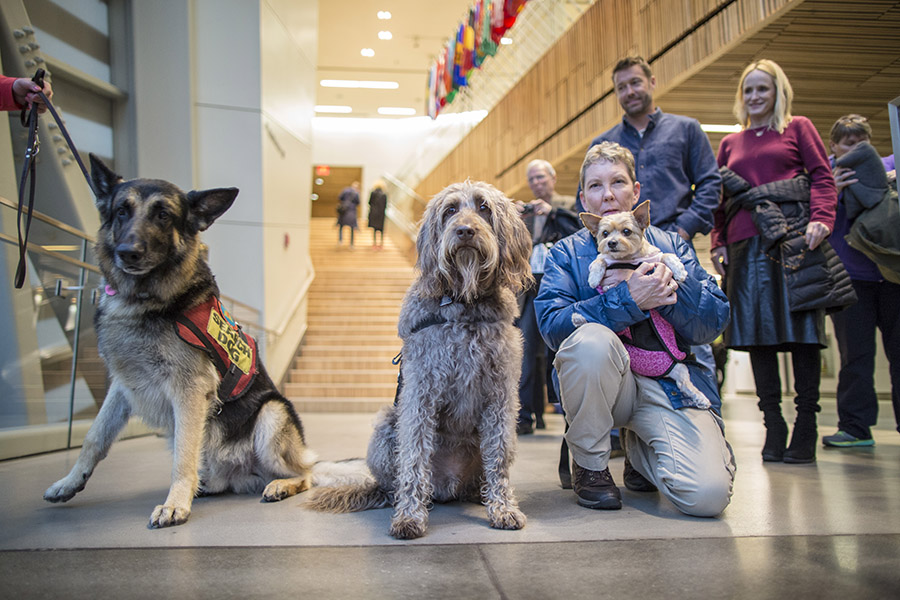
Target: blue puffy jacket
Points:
x,y
700,315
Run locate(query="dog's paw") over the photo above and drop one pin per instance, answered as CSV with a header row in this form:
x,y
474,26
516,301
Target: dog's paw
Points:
x,y
168,516
679,273
508,519
408,529
62,491
279,489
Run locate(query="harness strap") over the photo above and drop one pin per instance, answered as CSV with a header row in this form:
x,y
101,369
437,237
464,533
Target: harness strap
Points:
x,y
29,170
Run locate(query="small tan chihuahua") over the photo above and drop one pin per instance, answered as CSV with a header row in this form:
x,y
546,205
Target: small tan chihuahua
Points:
x,y
651,343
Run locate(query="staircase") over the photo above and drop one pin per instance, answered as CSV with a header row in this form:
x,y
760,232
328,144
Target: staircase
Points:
x,y
344,363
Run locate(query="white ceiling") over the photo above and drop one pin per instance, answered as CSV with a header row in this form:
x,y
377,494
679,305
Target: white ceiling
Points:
x,y
420,28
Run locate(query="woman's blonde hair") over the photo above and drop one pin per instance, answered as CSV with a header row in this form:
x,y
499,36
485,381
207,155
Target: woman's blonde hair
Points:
x,y
784,95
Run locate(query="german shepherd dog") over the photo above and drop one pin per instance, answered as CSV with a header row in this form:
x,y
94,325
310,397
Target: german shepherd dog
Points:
x,y
149,252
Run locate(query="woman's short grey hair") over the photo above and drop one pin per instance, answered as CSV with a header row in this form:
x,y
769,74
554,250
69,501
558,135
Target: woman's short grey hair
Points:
x,y
608,151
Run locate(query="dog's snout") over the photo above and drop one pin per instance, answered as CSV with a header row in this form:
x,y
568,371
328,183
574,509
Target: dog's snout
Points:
x,y
130,254
465,233
612,244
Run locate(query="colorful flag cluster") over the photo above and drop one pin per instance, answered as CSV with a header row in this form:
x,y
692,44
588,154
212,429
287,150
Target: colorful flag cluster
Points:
x,y
476,39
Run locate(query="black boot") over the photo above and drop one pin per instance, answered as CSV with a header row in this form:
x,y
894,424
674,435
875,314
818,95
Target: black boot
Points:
x,y
804,440
776,436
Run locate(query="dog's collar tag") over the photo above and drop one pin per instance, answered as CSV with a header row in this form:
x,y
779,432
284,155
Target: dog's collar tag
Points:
x,y
110,290
446,301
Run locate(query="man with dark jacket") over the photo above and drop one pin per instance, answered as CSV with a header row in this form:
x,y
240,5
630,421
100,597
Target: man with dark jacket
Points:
x,y
548,218
669,445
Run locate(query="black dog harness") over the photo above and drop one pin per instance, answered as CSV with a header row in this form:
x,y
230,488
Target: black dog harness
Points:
x,y
425,323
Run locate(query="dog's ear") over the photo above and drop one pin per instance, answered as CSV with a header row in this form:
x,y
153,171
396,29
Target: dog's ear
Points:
x,y
104,180
428,242
515,245
642,214
208,205
591,221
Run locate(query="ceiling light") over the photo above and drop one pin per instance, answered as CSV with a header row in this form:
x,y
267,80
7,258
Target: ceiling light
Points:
x,y
384,15
396,110
367,52
506,41
719,128
384,35
324,108
352,83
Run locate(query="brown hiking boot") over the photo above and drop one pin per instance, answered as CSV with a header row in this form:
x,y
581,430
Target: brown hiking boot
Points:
x,y
634,481
596,489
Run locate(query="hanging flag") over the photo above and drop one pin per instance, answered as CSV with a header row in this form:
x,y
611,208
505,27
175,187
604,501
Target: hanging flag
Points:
x,y
479,54
497,27
459,59
511,10
469,44
486,46
449,92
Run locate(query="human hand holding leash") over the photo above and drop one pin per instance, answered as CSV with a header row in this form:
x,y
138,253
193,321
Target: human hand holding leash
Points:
x,y
651,285
25,91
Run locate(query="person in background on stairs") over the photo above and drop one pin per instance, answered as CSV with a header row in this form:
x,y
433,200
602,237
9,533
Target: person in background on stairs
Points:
x,y
377,206
878,305
549,218
346,209
19,92
773,146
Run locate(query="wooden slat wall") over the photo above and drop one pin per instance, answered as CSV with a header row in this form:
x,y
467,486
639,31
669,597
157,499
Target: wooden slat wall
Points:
x,y
840,56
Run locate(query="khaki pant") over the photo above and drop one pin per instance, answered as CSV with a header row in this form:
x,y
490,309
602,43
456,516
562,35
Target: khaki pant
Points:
x,y
683,452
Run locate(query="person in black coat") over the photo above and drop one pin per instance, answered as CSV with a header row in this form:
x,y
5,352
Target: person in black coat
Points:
x,y
348,201
549,218
377,206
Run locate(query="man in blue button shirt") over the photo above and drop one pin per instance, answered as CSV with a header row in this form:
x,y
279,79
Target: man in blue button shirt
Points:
x,y
673,159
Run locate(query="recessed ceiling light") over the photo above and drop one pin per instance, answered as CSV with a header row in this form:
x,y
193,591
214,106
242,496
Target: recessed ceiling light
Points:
x,y
367,52
396,110
506,41
352,83
712,128
384,15
385,35
324,108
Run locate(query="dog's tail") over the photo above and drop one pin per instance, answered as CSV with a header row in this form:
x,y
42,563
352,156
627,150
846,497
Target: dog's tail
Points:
x,y
352,471
348,498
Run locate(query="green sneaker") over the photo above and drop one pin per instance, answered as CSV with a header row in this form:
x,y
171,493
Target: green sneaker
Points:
x,y
842,439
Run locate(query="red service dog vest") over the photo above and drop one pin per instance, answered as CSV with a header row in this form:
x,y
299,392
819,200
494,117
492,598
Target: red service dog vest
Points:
x,y
210,328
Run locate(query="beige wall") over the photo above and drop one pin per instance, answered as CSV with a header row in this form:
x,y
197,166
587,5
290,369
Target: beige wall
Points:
x,y
224,98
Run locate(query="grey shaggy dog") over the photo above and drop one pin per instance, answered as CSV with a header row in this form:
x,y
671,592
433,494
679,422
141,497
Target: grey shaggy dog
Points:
x,y
451,435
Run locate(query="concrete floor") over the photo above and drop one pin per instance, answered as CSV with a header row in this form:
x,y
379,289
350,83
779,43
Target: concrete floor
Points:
x,y
826,530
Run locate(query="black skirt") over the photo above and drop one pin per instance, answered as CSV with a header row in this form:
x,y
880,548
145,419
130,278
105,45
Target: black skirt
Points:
x,y
760,310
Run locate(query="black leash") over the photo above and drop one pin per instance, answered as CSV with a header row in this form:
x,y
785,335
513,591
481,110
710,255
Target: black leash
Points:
x,y
29,119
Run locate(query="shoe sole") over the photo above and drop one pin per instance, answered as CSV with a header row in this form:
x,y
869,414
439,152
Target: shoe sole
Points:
x,y
856,444
799,461
599,505
772,458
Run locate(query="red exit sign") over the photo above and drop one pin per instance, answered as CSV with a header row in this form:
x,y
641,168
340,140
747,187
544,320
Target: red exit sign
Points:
x,y
323,171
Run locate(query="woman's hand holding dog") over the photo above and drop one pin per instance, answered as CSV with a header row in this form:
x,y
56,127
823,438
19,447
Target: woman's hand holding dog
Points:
x,y
651,285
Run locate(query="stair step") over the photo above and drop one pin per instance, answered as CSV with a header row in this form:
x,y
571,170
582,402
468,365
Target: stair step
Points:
x,y
340,405
332,377
324,363
330,350
341,390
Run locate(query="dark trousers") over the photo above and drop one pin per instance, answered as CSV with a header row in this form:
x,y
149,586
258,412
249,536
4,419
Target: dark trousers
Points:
x,y
532,385
807,373
878,306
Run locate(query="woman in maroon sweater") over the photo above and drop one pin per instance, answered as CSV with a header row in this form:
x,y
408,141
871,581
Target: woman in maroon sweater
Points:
x,y
774,146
